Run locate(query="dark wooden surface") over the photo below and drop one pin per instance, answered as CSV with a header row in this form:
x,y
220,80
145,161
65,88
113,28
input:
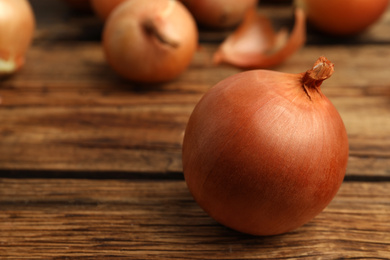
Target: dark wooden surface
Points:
x,y
90,165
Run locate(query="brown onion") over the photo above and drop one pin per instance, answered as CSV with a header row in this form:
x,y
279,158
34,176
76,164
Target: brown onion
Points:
x,y
150,41
17,25
264,152
219,13
103,8
344,17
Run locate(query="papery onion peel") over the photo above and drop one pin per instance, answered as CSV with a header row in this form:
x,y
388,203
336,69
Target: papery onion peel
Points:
x,y
255,44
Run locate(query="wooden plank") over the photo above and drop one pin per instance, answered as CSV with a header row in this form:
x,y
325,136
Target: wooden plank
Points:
x,y
42,218
75,113
81,66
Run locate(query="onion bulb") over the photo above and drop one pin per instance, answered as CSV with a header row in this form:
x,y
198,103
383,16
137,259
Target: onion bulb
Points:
x,y
219,13
17,25
103,8
150,41
264,152
343,18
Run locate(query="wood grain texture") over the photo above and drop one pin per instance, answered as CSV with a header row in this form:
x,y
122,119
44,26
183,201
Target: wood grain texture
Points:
x,y
58,218
67,110
90,164
76,114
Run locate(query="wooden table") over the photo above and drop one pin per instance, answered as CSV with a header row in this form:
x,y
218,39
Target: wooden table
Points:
x,y
90,165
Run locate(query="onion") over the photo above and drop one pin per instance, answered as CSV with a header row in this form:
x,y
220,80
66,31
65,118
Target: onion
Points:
x,y
150,41
264,152
103,8
344,17
219,13
17,25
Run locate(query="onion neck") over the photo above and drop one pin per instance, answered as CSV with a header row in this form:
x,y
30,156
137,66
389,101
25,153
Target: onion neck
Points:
x,y
152,29
154,26
313,78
